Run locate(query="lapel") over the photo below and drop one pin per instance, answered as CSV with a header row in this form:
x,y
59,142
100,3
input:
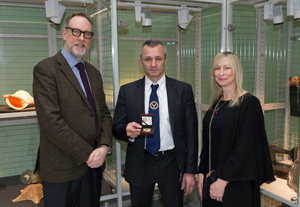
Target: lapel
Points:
x,y
140,95
67,70
171,101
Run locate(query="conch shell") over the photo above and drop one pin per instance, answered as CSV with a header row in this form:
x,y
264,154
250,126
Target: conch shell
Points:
x,y
28,177
33,192
19,100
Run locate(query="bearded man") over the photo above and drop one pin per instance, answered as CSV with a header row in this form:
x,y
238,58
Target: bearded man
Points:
x,y
75,123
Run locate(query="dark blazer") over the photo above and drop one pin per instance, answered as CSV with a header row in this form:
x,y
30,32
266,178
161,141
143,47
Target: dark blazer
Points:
x,y
67,126
183,120
243,157
243,152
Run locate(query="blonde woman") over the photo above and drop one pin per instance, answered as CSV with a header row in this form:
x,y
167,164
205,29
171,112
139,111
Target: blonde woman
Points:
x,y
235,145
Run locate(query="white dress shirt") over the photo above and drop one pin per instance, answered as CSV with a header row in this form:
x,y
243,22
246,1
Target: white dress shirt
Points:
x,y
166,137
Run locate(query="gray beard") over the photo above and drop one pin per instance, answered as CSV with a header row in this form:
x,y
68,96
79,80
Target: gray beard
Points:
x,y
75,54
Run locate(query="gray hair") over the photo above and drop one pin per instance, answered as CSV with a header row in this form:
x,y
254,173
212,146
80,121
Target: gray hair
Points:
x,y
81,14
153,43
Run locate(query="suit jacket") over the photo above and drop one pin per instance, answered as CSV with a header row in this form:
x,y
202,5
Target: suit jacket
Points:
x,y
183,120
66,120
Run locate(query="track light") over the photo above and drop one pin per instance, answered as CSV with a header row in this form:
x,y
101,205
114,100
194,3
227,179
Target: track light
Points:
x,y
54,11
272,12
277,15
138,11
61,12
290,8
184,18
293,9
268,12
296,4
51,7
146,18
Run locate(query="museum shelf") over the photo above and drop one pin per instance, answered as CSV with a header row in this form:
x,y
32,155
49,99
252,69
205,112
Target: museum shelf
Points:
x,y
18,118
280,191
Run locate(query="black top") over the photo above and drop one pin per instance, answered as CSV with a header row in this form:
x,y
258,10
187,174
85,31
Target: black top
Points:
x,y
240,152
217,127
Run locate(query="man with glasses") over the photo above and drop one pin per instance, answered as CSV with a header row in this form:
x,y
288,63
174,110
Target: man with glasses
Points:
x,y
75,123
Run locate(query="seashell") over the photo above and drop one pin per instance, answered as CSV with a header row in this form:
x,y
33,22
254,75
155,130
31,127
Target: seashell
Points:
x,y
35,178
19,100
28,177
33,192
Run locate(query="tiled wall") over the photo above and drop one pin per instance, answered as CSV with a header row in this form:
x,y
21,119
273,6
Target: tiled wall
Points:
x,y
244,42
211,45
23,43
187,63
18,149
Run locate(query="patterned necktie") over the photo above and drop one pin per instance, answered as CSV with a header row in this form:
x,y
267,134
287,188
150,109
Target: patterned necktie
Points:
x,y
153,142
89,94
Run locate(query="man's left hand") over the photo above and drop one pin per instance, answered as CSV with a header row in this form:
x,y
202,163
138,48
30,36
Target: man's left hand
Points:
x,y
97,157
188,181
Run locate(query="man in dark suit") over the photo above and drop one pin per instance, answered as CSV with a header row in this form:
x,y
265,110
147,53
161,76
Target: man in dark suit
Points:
x,y
173,164
75,123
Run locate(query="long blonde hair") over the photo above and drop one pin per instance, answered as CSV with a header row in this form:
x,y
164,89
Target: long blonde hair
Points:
x,y
216,89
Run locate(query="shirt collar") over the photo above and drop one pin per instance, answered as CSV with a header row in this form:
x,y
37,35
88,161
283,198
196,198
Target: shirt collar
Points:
x,y
72,61
161,83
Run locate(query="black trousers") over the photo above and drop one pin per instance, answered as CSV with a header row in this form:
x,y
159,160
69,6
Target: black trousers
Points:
x,y
82,192
164,171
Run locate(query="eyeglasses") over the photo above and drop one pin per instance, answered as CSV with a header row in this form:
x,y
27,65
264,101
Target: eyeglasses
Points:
x,y
77,33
